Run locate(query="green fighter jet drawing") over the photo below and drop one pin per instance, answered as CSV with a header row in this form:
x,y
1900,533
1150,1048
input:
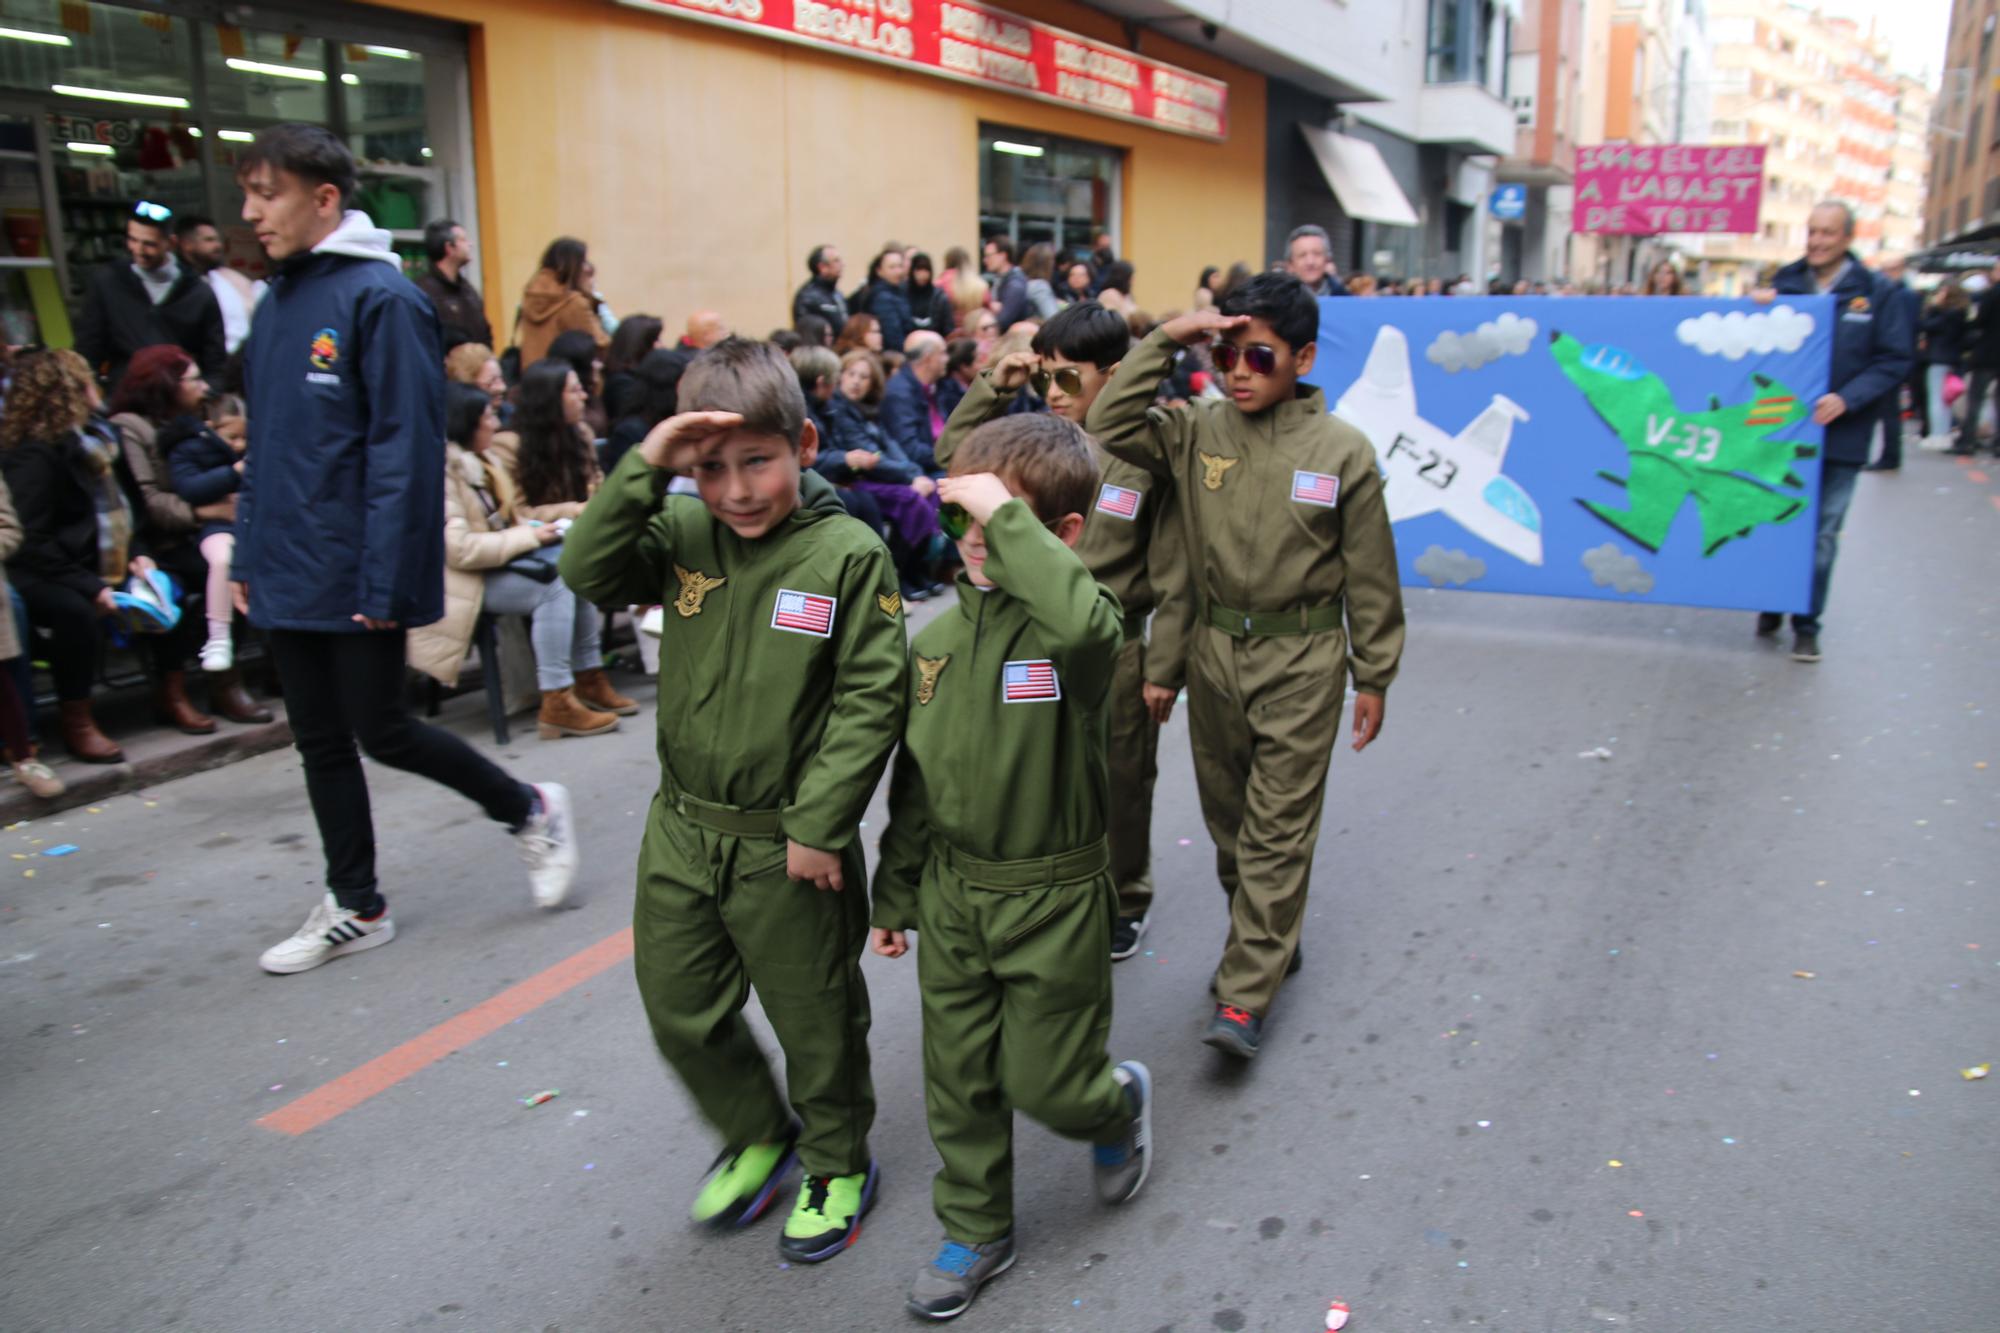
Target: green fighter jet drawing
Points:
x,y
1724,457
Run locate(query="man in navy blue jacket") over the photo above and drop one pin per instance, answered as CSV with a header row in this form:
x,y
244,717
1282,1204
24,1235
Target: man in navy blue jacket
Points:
x,y
340,530
1873,345
909,414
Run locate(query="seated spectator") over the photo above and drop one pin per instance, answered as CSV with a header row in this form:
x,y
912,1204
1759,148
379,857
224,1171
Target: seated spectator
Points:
x,y
957,268
961,367
969,298
652,399
637,337
484,538
815,332
205,469
863,332
882,296
849,444
475,364
78,505
549,455
1076,281
158,403
1040,266
862,382
930,308
585,358
910,416
1114,290
23,756
860,457
557,300
983,327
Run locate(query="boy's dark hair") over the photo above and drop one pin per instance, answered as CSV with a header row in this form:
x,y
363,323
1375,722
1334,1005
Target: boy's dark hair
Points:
x,y
1085,332
313,153
463,408
437,238
1044,456
1280,300
187,224
751,379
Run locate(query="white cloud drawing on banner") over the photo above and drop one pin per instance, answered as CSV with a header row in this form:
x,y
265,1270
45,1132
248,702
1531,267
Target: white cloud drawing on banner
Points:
x,y
1454,567
1612,568
1740,332
1507,335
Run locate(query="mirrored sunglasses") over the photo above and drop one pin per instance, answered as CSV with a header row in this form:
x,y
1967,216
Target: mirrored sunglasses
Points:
x,y
1261,359
1068,379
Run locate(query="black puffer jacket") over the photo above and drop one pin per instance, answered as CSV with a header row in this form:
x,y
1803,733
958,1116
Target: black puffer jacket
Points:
x,y
118,318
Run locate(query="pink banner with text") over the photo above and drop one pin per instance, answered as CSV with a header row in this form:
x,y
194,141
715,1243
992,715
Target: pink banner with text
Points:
x,y
1646,189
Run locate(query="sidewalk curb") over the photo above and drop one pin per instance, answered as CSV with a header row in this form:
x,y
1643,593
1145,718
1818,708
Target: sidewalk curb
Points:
x,y
89,783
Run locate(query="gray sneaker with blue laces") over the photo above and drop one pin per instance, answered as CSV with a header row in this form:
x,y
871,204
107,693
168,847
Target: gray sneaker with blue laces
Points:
x,y
947,1284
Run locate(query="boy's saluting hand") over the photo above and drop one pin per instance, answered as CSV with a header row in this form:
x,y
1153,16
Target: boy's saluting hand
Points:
x,y
977,493
676,443
1012,370
1196,326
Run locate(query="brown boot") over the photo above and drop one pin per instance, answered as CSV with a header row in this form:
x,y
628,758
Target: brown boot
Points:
x,y
82,738
227,696
171,706
563,715
593,687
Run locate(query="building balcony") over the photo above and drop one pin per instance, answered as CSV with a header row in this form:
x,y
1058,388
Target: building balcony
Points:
x,y
1464,116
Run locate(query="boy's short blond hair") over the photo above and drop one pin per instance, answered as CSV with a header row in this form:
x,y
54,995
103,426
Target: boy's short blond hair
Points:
x,y
1045,457
751,379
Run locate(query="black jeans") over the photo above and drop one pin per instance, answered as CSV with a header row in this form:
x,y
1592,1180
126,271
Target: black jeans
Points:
x,y
343,688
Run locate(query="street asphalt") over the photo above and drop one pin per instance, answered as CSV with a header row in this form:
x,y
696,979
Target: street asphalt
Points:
x,y
1667,1039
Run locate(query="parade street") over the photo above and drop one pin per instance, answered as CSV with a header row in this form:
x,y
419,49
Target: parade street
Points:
x,y
1642,964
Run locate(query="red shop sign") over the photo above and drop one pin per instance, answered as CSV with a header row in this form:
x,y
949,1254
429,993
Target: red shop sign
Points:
x,y
976,43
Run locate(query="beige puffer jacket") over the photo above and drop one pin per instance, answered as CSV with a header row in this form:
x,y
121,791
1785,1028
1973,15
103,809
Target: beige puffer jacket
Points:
x,y
471,547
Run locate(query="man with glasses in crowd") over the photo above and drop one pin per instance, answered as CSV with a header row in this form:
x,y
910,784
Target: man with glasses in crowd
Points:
x,y
153,299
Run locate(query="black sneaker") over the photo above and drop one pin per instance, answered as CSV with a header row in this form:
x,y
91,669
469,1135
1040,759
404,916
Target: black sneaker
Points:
x,y
1126,932
1234,1031
1769,623
1805,647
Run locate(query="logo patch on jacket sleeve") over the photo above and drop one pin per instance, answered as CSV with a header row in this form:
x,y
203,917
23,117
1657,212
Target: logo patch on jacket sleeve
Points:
x,y
1029,682
803,613
1118,501
1315,488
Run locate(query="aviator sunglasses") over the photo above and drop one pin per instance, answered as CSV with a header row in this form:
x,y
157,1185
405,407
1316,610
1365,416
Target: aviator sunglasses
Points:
x,y
1261,359
1068,379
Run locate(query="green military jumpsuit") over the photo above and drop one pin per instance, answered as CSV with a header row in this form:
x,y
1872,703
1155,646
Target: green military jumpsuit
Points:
x,y
1142,557
1286,527
777,716
995,855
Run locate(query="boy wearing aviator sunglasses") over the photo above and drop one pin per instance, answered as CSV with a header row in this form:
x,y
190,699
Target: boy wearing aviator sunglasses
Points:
x,y
1289,545
1129,545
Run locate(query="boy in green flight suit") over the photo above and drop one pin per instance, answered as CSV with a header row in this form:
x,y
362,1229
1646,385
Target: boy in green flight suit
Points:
x,y
1132,545
995,850
781,693
1288,537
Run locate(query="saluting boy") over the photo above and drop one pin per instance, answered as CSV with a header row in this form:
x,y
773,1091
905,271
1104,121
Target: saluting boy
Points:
x,y
1288,536
1132,546
781,690
995,849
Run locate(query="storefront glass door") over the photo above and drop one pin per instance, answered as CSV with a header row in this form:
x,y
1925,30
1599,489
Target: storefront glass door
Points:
x,y
31,249
1035,187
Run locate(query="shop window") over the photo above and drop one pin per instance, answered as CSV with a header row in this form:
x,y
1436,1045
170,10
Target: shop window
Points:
x,y
92,53
261,78
1035,187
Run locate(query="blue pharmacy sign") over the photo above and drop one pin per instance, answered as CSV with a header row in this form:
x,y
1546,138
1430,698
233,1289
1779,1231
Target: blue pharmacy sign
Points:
x,y
1625,448
1508,202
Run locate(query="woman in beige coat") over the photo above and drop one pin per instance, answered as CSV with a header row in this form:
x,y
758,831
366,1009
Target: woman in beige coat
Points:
x,y
484,533
29,770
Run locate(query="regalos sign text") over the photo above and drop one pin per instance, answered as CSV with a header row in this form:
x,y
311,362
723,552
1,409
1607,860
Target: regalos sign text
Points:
x,y
977,43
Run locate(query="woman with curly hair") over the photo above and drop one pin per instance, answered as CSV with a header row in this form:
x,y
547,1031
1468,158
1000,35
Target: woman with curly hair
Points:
x,y
549,452
80,541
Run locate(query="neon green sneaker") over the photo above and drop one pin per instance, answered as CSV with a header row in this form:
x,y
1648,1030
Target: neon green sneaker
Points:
x,y
741,1182
828,1217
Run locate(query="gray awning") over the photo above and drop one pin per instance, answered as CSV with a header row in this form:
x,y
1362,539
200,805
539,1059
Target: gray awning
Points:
x,y
1359,178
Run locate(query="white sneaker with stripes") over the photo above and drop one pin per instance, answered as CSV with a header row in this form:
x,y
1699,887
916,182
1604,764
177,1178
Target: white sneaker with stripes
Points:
x,y
330,931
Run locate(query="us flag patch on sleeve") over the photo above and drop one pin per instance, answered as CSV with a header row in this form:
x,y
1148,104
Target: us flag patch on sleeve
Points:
x,y
1118,501
803,613
1315,488
1029,682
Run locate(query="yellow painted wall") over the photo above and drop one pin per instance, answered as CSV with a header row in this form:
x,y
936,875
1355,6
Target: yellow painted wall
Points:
x,y
701,165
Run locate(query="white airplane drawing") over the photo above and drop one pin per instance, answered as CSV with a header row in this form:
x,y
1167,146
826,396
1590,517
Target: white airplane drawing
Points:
x,y
1426,469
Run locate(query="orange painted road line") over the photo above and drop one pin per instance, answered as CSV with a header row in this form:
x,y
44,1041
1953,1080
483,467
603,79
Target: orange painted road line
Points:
x,y
387,1070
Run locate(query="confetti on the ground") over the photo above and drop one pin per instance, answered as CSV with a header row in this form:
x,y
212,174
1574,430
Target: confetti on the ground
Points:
x,y
276,1087
579,1114
27,874
1187,842
96,809
1614,1162
1485,1124
63,849
1805,976
1599,753
540,1097
1634,1213
1975,1073
1914,1092
1336,1315
1731,1142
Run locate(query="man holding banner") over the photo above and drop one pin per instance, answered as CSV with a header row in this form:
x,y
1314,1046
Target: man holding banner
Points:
x,y
1873,345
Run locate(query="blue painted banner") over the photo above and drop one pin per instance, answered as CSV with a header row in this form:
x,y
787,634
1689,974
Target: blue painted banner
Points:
x,y
1627,448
